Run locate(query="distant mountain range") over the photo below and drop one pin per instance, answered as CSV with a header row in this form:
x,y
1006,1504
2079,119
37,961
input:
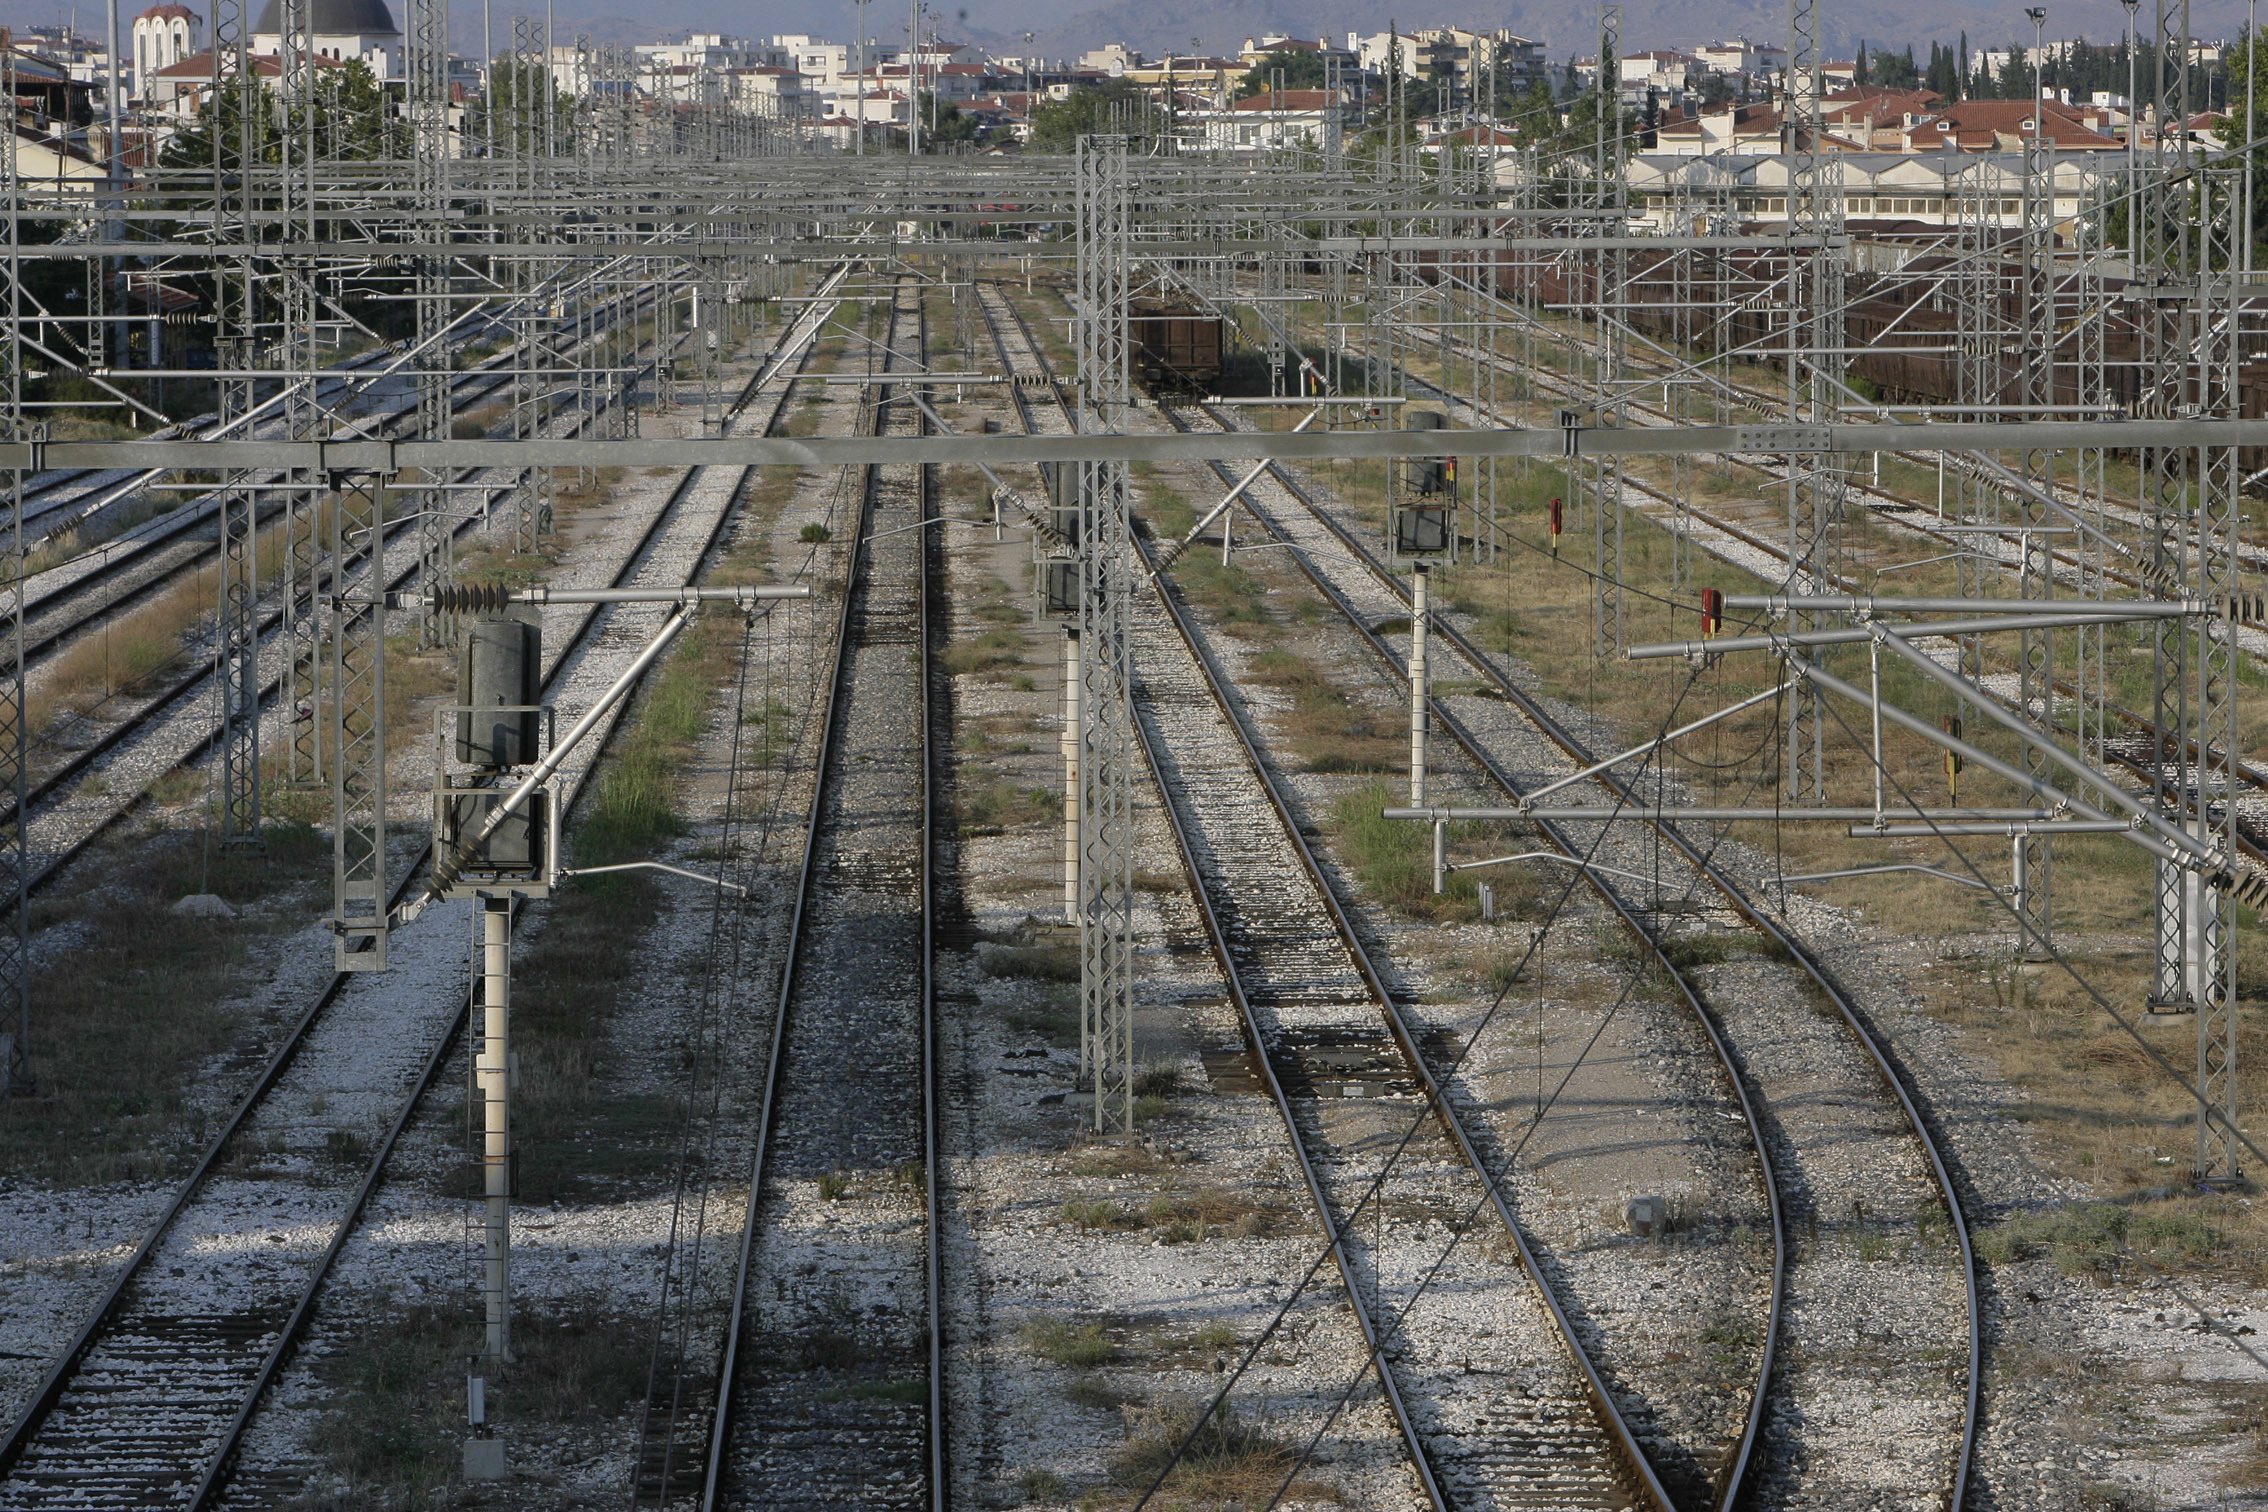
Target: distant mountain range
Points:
x,y
1158,25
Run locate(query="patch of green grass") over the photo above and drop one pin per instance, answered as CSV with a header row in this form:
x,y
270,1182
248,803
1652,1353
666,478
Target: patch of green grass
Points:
x,y
1039,1484
1204,1339
1058,1026
1393,858
1097,1213
1082,1345
634,810
1001,806
992,651
2087,1238
1093,1391
1230,595
1687,951
397,1424
127,1018
1215,1456
1157,1081
1726,1335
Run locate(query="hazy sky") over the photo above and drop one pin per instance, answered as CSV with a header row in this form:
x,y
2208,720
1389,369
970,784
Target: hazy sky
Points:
x,y
1158,24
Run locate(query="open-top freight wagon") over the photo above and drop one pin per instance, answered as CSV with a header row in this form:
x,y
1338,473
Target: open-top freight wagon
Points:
x,y
1173,349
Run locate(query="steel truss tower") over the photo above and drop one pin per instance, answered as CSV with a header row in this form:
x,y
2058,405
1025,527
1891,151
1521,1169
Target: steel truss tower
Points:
x,y
1107,766
15,853
2035,390
1610,197
236,338
358,724
1815,363
429,154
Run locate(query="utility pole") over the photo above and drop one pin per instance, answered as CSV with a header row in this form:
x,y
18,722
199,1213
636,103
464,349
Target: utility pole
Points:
x,y
859,62
913,78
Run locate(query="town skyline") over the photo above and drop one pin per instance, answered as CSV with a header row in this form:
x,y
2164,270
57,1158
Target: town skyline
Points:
x,y
1001,26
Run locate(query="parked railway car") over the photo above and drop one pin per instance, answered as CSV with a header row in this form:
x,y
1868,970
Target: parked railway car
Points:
x,y
1903,320
1173,349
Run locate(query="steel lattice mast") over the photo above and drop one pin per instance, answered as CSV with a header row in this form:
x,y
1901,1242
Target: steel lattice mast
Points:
x,y
1108,759
236,340
15,854
429,155
1815,270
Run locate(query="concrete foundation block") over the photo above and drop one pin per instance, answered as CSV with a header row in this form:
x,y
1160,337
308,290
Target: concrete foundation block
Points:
x,y
484,1459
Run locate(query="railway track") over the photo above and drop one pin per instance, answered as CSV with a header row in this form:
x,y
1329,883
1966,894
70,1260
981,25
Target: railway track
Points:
x,y
75,493
1762,1026
68,599
2134,754
829,1389
148,1405
1543,1426
1885,507
155,730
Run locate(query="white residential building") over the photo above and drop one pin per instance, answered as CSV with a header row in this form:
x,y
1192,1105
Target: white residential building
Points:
x,y
713,51
1453,53
1741,58
1264,122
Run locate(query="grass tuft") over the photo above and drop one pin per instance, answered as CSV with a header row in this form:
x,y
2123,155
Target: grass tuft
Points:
x,y
1211,1455
1082,1345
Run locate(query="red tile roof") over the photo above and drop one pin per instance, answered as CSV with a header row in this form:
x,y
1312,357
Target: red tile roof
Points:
x,y
1292,99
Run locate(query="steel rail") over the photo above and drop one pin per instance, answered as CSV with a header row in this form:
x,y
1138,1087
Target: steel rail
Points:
x,y
1894,510
1797,951
632,563
1636,1464
1421,1461
1738,1463
213,1477
187,682
2251,838
714,1478
156,699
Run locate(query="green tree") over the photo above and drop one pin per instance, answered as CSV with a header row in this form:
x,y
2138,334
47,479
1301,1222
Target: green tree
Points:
x,y
2247,76
1300,70
218,140
1058,125
1896,70
515,101
354,116
1944,73
948,125
350,116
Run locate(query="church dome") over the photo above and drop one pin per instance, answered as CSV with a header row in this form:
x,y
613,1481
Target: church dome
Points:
x,y
334,18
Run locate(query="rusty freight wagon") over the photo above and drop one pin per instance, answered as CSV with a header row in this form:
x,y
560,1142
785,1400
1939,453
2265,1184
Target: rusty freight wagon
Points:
x,y
1173,349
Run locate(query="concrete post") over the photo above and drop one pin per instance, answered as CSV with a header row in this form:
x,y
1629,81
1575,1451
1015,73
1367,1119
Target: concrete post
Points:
x,y
493,1072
